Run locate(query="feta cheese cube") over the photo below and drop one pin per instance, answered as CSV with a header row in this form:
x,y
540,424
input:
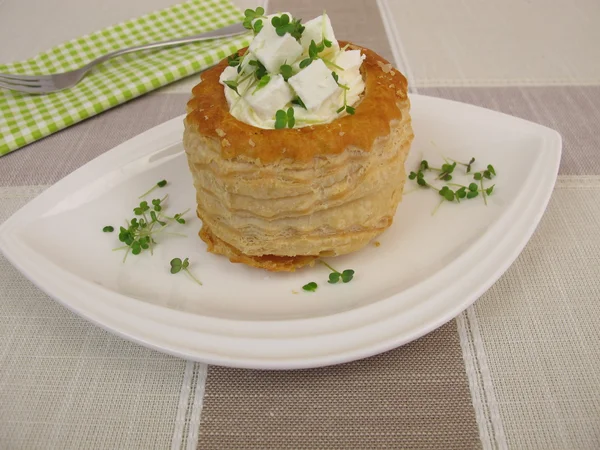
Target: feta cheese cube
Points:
x,y
278,51
317,29
265,35
314,85
349,59
267,100
229,73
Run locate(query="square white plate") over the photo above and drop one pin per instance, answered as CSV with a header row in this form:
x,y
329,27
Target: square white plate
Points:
x,y
427,269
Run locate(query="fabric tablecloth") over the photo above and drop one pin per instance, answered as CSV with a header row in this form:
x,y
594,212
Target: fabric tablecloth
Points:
x,y
518,369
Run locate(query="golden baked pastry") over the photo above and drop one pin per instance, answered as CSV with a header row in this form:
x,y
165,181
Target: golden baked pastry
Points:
x,y
278,199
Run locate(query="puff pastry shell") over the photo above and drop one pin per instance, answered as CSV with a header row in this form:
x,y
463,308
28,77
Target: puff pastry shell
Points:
x,y
280,199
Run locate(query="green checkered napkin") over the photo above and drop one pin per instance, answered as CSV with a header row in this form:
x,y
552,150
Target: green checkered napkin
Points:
x,y
26,118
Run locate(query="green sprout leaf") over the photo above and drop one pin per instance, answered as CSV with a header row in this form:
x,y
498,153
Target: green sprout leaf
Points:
x,y
141,209
347,275
334,277
284,118
108,229
291,121
234,60
305,63
310,287
421,181
298,101
136,248
262,82
258,25
286,71
232,84
280,119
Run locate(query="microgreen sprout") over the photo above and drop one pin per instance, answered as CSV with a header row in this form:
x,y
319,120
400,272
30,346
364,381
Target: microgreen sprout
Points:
x,y
283,118
310,287
251,15
488,173
349,109
446,171
283,25
177,265
445,174
335,276
108,229
160,184
336,78
149,221
313,53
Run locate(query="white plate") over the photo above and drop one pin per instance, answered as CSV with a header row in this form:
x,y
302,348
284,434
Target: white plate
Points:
x,y
426,271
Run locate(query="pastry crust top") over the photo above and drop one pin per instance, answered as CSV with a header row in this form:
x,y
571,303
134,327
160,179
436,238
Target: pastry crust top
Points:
x,y
385,88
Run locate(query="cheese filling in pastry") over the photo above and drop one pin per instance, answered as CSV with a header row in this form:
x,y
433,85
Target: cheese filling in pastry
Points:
x,y
326,182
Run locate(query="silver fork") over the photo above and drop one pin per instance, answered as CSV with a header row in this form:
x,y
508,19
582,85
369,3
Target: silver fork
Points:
x,y
44,84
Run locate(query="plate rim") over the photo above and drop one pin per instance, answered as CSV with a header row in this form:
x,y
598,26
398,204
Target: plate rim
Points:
x,y
159,135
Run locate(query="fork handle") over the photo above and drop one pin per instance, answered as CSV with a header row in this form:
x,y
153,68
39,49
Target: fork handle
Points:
x,y
230,30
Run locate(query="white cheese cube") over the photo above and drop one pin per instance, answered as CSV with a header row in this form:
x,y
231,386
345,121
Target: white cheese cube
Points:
x,y
278,51
349,59
317,29
229,73
267,100
265,35
314,85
